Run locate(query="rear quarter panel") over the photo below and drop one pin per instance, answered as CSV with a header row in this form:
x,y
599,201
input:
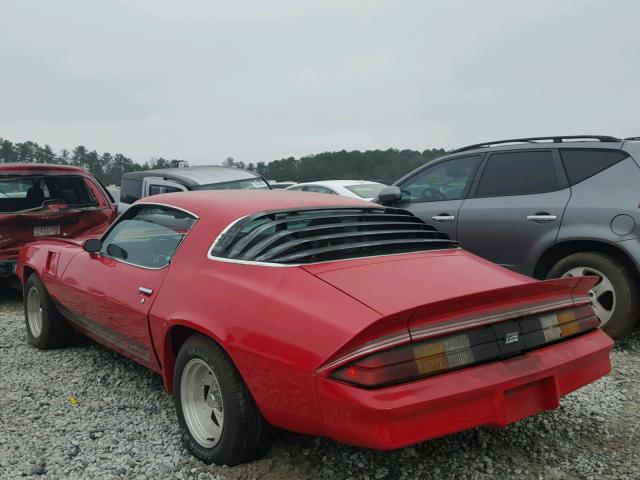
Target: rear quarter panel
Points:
x,y
596,201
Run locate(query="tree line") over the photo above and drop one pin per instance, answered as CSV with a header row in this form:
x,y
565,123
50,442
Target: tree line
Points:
x,y
381,165
107,167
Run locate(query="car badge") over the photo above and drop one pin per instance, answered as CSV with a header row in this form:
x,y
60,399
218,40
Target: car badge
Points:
x,y
510,337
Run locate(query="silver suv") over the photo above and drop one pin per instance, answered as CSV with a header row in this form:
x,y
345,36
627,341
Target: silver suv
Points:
x,y
544,207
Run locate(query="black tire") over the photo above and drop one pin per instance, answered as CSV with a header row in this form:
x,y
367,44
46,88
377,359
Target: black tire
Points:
x,y
625,285
246,435
55,331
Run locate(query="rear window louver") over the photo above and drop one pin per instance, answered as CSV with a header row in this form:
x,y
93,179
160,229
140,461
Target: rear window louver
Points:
x,y
324,234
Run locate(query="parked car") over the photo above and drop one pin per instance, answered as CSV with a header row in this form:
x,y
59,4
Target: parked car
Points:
x,y
137,185
322,315
347,188
39,200
280,185
544,207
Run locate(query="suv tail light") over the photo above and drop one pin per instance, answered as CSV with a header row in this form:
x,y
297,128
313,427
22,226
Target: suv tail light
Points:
x,y
500,340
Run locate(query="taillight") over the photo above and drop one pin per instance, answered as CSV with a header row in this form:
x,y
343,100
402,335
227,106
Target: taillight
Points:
x,y
500,340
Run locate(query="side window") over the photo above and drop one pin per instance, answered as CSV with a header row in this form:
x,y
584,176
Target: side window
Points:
x,y
319,189
518,173
581,164
131,190
444,181
158,189
147,236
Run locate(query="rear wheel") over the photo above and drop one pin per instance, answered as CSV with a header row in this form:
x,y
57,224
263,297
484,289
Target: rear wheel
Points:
x,y
614,297
220,420
46,328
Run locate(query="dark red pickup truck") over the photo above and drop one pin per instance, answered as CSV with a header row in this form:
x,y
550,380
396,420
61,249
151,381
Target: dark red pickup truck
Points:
x,y
41,200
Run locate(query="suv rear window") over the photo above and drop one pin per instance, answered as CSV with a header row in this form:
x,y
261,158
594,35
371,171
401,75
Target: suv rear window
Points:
x,y
581,164
20,193
518,173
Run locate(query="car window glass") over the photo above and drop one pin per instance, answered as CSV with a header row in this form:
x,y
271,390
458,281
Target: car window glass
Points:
x,y
366,190
319,189
444,181
131,190
147,236
36,192
518,173
581,164
158,189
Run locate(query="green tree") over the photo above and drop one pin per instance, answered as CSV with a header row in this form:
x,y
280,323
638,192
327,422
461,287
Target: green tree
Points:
x,y
64,157
79,156
8,152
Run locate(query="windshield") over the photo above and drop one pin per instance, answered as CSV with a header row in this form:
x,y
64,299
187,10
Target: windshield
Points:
x,y
22,193
248,184
366,190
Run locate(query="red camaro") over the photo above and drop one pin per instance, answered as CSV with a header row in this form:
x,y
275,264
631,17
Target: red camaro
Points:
x,y
313,313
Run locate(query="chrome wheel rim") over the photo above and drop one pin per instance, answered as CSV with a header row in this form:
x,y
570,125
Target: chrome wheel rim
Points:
x,y
603,295
201,400
34,312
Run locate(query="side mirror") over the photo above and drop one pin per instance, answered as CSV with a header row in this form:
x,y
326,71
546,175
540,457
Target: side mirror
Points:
x,y
389,195
92,245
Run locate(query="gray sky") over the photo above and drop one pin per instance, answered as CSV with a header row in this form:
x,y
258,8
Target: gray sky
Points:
x,y
261,80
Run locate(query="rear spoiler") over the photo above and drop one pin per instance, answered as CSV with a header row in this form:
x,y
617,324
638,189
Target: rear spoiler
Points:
x,y
463,313
498,305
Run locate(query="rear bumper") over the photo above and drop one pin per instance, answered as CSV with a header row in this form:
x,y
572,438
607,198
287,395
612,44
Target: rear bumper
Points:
x,y
495,394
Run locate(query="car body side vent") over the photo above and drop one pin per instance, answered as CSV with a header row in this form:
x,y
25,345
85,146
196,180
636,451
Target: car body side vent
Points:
x,y
323,234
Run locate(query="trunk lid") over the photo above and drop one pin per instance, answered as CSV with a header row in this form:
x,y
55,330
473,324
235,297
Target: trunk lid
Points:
x,y
396,283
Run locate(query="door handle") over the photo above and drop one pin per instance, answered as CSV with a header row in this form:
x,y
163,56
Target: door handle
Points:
x,y
542,218
145,290
443,218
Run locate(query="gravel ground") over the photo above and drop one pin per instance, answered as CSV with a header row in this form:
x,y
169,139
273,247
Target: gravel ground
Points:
x,y
85,412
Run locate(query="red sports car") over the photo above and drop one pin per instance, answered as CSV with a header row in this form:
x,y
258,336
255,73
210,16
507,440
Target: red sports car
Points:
x,y
313,313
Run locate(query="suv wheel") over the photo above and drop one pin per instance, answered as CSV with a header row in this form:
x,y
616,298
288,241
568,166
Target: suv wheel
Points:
x,y
614,297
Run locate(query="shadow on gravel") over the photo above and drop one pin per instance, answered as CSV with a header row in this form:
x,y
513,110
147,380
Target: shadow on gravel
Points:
x,y
8,294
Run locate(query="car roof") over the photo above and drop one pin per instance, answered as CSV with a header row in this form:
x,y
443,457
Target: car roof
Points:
x,y
39,168
229,205
198,175
339,183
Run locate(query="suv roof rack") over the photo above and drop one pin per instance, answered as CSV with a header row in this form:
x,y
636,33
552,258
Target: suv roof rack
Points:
x,y
557,139
632,138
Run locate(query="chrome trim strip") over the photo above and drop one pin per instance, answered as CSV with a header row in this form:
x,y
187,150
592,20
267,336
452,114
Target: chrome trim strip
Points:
x,y
166,205
455,325
279,265
366,350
